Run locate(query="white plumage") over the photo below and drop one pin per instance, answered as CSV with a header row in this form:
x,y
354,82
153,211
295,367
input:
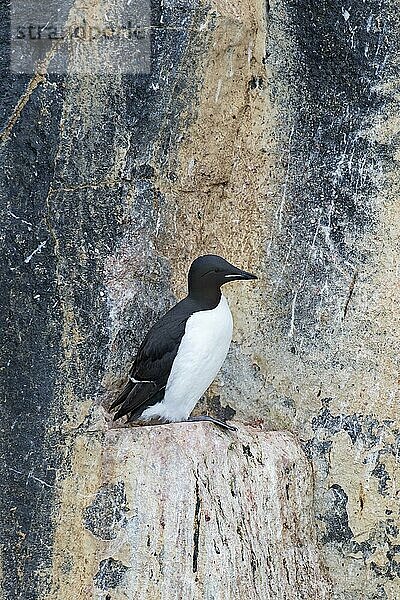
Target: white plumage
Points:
x,y
202,351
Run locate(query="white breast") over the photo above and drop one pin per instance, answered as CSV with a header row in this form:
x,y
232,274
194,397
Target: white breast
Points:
x,y
202,351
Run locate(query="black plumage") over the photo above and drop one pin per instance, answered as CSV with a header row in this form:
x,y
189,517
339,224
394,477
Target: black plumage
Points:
x,y
150,371
148,376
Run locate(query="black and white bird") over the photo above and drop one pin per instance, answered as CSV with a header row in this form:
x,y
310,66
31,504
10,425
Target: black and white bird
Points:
x,y
183,352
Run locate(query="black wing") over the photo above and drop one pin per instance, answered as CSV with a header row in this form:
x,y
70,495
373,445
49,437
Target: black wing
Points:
x,y
150,371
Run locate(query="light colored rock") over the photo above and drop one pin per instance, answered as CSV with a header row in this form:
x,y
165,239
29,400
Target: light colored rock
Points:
x,y
187,511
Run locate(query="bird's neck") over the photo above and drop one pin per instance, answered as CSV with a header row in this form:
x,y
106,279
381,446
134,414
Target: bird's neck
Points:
x,y
207,298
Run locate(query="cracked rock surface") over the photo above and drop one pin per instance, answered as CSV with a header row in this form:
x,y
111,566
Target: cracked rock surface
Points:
x,y
188,511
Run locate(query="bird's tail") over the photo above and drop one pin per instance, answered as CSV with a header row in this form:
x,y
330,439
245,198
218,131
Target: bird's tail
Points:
x,y
134,396
123,395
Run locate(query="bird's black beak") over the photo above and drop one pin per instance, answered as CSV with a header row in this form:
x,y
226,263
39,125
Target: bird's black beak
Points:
x,y
239,274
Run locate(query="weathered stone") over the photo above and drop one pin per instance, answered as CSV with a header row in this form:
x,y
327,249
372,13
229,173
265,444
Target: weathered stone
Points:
x,y
110,574
209,514
107,511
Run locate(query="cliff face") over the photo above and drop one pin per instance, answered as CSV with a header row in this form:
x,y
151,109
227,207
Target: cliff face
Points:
x,y
265,132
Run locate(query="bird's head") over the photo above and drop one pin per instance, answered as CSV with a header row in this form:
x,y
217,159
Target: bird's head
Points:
x,y
209,272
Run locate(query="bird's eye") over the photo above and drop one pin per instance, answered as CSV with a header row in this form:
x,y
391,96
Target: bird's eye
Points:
x,y
217,270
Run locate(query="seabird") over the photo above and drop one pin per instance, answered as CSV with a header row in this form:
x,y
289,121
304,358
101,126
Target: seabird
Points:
x,y
183,352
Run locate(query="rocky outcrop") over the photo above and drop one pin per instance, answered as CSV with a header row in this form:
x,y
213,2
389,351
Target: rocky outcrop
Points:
x,y
187,511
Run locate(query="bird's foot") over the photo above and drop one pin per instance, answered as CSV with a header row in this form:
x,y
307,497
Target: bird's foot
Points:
x,y
212,420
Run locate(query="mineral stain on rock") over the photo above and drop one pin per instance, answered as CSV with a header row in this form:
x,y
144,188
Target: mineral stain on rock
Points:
x,y
327,83
110,574
30,348
336,518
106,515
